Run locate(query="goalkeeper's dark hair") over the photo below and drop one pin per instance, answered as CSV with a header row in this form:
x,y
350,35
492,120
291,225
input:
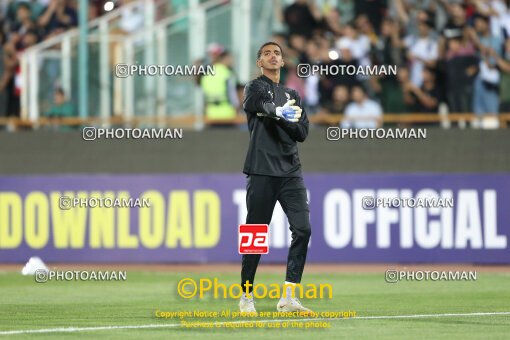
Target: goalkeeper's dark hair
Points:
x,y
259,52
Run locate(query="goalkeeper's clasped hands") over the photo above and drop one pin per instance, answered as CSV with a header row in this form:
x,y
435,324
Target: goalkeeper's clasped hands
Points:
x,y
289,111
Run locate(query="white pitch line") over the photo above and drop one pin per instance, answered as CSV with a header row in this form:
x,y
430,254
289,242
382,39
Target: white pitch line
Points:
x,y
173,325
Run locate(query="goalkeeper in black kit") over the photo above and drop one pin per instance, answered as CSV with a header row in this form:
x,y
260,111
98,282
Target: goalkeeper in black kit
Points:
x,y
276,122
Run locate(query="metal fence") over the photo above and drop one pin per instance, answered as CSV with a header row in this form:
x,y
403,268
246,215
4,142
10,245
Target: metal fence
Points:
x,y
179,38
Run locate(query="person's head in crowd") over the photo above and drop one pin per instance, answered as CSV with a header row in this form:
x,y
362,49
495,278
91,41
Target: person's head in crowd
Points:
x,y
429,76
344,48
59,97
323,50
364,25
457,13
30,39
340,94
319,36
424,28
214,50
297,42
387,27
358,94
350,31
403,74
225,58
324,43
481,24
422,15
454,44
23,12
428,15
313,51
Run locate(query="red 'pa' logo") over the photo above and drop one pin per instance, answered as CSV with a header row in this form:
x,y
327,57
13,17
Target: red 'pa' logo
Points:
x,y
253,239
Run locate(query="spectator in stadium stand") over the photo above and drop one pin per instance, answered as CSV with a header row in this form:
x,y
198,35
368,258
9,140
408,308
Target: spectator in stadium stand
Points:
x,y
302,17
425,99
296,55
220,90
35,7
7,80
332,22
346,9
389,50
2,93
422,51
362,113
373,9
455,28
22,24
4,6
298,44
334,107
366,28
214,50
461,67
395,94
504,66
410,13
356,42
311,86
30,38
346,58
494,10
61,108
486,83
58,17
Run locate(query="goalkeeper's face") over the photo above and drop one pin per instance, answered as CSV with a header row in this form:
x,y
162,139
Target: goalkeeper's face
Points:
x,y
270,58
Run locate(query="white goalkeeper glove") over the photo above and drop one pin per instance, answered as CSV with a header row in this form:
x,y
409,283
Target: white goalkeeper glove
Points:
x,y
289,111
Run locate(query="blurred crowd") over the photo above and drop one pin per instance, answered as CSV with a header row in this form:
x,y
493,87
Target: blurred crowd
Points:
x,y
24,23
446,51
450,55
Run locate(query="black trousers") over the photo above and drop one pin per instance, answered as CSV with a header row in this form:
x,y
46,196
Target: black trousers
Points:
x,y
261,196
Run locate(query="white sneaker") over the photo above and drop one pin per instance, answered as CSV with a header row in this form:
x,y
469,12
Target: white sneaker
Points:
x,y
247,305
291,305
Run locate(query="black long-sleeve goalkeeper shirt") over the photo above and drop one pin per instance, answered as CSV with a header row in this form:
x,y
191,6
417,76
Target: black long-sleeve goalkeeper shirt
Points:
x,y
273,147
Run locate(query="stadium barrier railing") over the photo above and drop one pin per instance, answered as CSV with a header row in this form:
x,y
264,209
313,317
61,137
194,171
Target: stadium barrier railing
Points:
x,y
189,121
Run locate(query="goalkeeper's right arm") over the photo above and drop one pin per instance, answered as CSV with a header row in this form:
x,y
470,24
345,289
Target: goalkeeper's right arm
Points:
x,y
258,101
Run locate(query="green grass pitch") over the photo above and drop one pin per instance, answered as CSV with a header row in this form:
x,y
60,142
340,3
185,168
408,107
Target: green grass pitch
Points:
x,y
27,305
